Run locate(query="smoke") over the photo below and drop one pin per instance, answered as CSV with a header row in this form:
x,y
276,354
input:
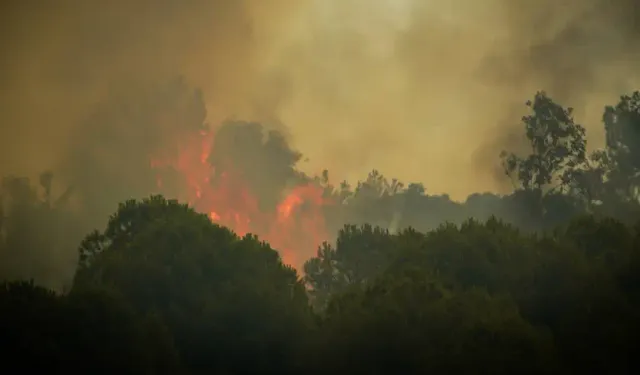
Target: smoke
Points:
x,y
434,95
62,58
426,91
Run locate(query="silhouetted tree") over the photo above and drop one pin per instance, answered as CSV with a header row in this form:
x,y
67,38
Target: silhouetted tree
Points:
x,y
226,299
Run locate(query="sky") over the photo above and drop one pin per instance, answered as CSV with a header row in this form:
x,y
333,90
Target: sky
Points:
x,y
427,91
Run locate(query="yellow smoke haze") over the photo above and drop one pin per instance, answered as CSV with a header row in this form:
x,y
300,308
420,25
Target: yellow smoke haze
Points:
x,y
426,91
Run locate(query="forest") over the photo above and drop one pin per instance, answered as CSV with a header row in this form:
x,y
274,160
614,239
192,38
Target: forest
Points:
x,y
211,252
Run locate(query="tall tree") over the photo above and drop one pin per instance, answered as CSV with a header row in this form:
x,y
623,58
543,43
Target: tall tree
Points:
x,y
556,141
360,255
622,126
225,298
558,146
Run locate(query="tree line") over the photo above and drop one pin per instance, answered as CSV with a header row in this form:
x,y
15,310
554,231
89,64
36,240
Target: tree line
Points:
x,y
543,280
162,289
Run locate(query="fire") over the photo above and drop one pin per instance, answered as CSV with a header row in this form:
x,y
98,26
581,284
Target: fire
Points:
x,y
295,228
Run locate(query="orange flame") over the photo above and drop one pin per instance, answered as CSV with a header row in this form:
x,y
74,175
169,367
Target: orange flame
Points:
x,y
296,227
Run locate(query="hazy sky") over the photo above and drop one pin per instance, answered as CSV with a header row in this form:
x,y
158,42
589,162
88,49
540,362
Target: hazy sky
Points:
x,y
424,91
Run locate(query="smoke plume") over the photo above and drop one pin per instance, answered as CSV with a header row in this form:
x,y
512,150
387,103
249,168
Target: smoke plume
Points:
x,y
426,91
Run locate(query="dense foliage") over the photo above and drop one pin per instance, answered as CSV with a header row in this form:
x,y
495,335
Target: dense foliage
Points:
x,y
544,280
164,290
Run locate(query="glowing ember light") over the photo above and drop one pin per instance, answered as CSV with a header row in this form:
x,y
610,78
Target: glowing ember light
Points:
x,y
296,227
